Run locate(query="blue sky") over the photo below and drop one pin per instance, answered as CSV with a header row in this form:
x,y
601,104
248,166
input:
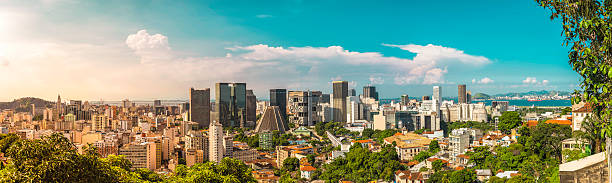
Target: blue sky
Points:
x,y
158,49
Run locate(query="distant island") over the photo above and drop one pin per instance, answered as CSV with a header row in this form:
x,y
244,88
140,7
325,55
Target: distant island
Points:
x,y
534,95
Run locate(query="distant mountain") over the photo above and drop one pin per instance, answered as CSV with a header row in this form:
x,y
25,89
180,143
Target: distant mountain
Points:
x,y
534,93
481,96
25,104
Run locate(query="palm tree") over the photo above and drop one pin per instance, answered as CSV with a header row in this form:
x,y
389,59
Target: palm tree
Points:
x,y
593,132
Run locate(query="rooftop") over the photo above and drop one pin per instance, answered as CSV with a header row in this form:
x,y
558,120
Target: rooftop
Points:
x,y
408,140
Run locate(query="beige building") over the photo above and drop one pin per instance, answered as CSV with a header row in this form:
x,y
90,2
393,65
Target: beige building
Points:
x,y
143,155
194,156
408,145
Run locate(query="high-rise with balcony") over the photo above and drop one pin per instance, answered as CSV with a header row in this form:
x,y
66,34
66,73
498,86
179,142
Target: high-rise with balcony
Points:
x,y
340,92
216,145
199,110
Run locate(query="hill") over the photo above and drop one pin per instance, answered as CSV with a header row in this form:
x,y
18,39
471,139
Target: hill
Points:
x,y
24,104
534,93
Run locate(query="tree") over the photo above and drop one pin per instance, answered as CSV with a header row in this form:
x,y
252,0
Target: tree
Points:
x,y
437,165
423,155
592,127
508,121
367,133
461,176
54,159
588,31
434,147
291,164
440,177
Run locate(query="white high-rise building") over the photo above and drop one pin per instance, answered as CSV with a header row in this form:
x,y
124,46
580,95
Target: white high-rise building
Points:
x,y
215,141
436,98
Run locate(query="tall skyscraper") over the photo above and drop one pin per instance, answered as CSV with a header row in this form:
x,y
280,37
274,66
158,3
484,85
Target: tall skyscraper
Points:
x,y
156,103
339,98
462,95
251,101
199,107
278,97
215,142
303,107
352,92
370,92
231,104
437,98
58,107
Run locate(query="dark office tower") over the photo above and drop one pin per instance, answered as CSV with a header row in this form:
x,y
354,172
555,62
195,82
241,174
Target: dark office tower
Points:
x,y
199,107
462,95
324,98
231,104
278,97
426,97
352,92
251,106
156,103
339,96
370,92
405,100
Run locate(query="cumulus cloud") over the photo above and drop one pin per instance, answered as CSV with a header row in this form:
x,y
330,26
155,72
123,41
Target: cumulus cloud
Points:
x,y
376,80
530,80
534,81
149,47
485,80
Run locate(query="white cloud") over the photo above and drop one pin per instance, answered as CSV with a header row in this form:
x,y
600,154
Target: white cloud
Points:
x,y
530,80
264,16
376,80
474,81
149,47
485,80
534,81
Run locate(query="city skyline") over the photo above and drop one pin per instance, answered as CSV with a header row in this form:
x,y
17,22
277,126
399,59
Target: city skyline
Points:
x,y
72,48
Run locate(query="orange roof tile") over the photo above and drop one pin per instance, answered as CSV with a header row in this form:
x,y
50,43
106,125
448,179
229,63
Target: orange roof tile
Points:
x,y
308,168
559,122
585,108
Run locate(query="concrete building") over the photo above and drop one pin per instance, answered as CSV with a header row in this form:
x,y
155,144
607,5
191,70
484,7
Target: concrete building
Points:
x,y
303,107
464,112
340,92
278,97
198,141
460,140
408,145
230,106
228,145
271,120
579,115
199,107
462,94
215,139
370,92
251,106
592,169
193,156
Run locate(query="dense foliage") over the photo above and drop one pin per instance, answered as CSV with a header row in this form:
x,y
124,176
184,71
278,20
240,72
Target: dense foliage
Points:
x,y
228,170
55,159
377,135
361,165
470,124
508,121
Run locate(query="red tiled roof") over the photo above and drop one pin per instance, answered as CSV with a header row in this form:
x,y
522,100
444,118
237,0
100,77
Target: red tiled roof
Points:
x,y
585,108
559,122
308,168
